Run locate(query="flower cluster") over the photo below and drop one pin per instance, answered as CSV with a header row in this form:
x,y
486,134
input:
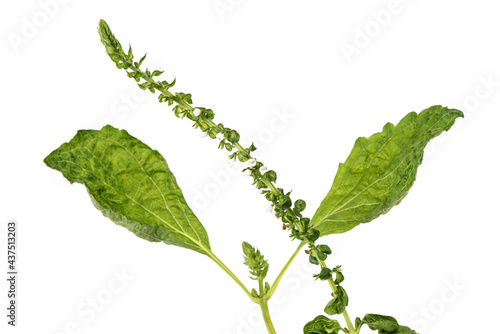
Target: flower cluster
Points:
x,y
290,213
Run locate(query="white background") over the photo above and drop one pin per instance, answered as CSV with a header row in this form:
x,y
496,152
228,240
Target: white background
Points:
x,y
431,262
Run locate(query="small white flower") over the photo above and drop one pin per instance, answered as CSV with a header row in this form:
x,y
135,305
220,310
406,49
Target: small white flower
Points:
x,y
247,172
197,112
252,162
270,208
263,169
182,115
203,134
230,162
173,93
220,136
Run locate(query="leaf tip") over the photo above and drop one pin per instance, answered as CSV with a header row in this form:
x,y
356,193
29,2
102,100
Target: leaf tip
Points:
x,y
457,112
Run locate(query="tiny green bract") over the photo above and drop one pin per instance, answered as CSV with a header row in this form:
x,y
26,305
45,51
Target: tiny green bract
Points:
x,y
131,184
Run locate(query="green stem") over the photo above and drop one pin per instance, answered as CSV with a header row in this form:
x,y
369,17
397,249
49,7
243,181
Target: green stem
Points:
x,y
269,294
262,301
334,290
261,286
113,48
267,316
323,265
232,275
271,291
348,322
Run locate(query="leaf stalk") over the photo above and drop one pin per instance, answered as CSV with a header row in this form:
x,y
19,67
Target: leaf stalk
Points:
x,y
276,282
233,276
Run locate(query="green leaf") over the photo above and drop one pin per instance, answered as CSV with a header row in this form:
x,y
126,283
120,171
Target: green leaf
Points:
x,y
380,170
322,325
130,55
324,249
144,85
141,60
300,205
383,323
339,277
324,274
233,136
313,259
405,330
132,185
358,323
338,304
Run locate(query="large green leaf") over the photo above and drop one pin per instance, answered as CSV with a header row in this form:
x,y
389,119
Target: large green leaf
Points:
x,y
132,185
380,170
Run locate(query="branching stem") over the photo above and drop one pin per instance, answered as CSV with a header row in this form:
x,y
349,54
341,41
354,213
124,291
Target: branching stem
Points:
x,y
271,291
334,290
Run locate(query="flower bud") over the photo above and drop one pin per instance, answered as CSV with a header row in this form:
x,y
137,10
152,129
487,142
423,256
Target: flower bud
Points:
x,y
233,136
